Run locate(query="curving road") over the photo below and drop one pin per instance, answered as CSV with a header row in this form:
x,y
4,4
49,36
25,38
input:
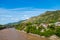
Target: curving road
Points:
x,y
12,34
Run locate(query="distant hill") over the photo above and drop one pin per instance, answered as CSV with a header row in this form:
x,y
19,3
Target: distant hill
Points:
x,y
13,24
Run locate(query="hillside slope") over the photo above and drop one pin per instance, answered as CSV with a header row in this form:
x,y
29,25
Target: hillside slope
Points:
x,y
47,17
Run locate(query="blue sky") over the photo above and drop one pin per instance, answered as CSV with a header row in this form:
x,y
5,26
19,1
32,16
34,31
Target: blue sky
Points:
x,y
16,10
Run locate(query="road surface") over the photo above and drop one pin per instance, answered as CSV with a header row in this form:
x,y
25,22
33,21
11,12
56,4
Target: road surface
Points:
x,y
13,34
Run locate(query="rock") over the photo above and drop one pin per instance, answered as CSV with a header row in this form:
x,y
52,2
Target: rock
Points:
x,y
54,37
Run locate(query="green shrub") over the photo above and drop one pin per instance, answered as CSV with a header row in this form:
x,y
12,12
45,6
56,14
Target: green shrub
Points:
x,y
57,32
27,29
2,28
47,33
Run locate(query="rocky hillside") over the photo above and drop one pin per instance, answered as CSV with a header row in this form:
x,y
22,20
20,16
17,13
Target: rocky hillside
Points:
x,y
33,25
47,17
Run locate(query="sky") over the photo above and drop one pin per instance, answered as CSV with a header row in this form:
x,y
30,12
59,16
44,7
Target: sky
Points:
x,y
16,10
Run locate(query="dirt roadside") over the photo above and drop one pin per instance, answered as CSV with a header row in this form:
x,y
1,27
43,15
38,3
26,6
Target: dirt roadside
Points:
x,y
13,34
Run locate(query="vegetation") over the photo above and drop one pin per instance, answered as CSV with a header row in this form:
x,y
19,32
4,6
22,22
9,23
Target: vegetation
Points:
x,y
2,27
32,25
47,32
57,32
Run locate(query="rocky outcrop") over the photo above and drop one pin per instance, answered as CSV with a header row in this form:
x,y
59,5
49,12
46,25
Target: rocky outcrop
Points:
x,y
54,37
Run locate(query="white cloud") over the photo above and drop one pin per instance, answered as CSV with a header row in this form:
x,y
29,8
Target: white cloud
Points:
x,y
5,15
14,19
25,17
21,10
19,14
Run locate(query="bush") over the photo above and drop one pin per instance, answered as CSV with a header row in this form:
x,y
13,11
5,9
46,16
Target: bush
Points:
x,y
28,29
57,32
2,28
47,33
32,29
